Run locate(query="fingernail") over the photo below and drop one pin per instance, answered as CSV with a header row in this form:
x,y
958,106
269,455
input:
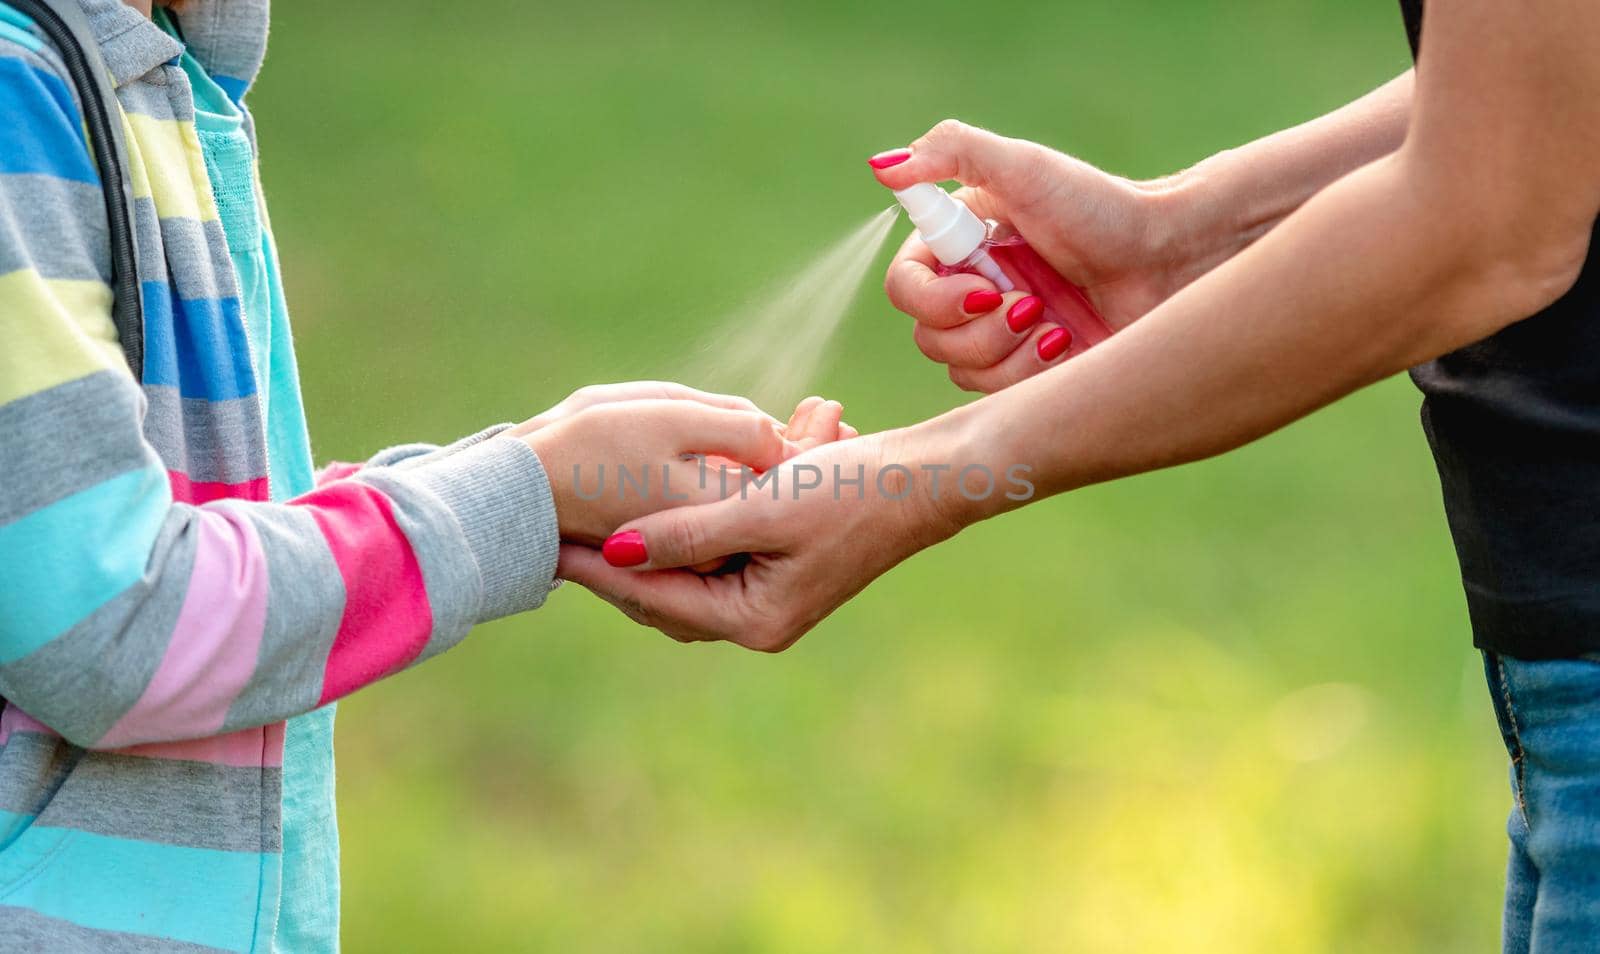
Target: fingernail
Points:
x,y
624,549
1052,346
1024,313
893,157
981,302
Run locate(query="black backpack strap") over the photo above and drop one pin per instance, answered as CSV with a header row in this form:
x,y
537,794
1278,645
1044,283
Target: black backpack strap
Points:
x,y
63,23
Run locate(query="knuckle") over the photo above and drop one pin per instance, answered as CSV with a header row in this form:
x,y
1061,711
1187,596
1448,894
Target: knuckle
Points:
x,y
891,289
975,353
686,541
897,282
962,379
946,129
997,342
1035,163
761,436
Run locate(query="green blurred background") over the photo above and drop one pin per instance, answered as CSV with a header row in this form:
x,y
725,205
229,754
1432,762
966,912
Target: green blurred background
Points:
x,y
1231,707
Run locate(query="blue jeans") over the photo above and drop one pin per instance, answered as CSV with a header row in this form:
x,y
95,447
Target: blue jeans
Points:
x,y
1549,714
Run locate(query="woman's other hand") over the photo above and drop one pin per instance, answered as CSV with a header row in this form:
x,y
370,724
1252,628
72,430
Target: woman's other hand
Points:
x,y
1129,245
821,528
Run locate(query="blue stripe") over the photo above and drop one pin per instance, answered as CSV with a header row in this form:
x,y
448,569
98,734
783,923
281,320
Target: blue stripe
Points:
x,y
9,15
64,561
197,345
232,85
18,29
142,887
289,461
43,130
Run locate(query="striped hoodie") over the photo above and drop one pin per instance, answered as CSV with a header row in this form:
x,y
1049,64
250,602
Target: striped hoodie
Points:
x,y
167,598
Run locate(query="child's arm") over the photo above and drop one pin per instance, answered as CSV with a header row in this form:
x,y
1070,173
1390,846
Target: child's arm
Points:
x,y
126,617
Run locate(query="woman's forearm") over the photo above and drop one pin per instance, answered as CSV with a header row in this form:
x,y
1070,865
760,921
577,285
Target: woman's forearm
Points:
x,y
1231,199
1373,275
1481,218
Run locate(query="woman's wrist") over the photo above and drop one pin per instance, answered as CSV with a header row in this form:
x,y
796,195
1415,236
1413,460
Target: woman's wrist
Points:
x,y
1211,211
1193,222
962,472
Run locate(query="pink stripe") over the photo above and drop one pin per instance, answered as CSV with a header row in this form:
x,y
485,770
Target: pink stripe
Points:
x,y
189,491
387,618
15,720
212,653
338,470
248,747
261,746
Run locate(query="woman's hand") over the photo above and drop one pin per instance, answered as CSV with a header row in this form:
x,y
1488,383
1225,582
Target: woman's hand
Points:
x,y
814,422
1129,245
816,531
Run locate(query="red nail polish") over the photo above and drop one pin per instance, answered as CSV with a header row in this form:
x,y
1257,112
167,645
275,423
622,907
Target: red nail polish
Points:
x,y
1053,345
624,549
981,302
1024,314
893,157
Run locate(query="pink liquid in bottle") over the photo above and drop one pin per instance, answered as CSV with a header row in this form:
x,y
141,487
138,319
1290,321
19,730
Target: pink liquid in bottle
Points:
x,y
1065,304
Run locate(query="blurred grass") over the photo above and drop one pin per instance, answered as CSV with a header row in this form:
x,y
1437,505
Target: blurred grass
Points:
x,y
1230,707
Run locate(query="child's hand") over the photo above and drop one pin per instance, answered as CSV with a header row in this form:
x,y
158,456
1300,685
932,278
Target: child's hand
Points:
x,y
614,461
594,395
815,422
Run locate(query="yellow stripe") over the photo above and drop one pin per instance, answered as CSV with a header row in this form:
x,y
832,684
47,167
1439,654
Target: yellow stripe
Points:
x,y
166,165
56,330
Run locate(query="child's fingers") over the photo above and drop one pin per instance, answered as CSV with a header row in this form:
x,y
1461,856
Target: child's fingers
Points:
x,y
821,426
721,475
983,342
801,417
732,402
743,436
847,433
824,424
697,481
595,394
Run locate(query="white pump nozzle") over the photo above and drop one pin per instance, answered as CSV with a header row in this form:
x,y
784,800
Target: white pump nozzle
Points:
x,y
949,229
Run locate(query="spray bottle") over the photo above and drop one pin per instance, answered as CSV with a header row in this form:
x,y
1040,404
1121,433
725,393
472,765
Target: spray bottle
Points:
x,y
962,242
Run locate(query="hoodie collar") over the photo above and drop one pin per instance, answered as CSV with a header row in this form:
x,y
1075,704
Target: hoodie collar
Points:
x,y
227,37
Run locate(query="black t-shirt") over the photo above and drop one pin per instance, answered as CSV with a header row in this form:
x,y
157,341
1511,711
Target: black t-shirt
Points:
x,y
1412,11
1514,422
